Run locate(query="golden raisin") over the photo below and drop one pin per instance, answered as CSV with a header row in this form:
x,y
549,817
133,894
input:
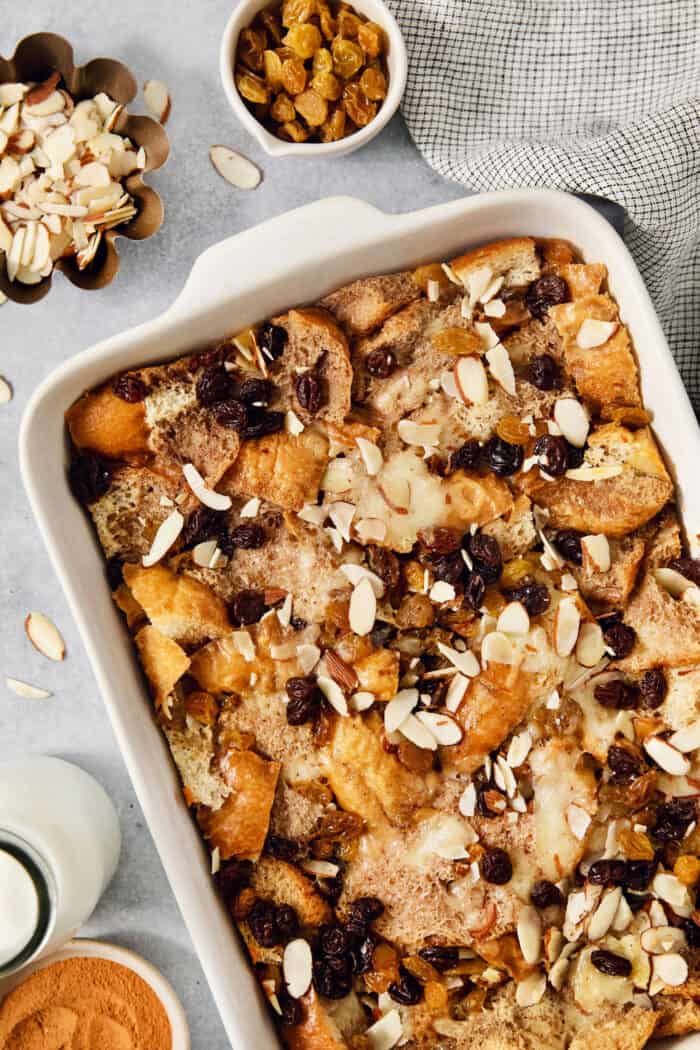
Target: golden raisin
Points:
x,y
373,83
293,76
294,11
385,968
202,707
327,85
273,69
371,38
329,26
334,128
459,341
304,39
252,87
635,845
339,824
348,25
285,53
251,44
347,57
272,24
512,430
515,569
312,107
416,610
687,870
417,759
293,131
322,61
282,109
628,415
435,997
420,968
357,106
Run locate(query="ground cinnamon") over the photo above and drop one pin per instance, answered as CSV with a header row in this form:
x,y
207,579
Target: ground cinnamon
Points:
x,y
84,1003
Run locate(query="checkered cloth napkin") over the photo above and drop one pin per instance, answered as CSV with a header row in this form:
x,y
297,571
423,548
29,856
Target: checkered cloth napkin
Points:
x,y
591,96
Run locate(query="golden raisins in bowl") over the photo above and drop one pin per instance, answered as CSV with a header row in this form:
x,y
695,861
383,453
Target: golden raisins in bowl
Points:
x,y
312,70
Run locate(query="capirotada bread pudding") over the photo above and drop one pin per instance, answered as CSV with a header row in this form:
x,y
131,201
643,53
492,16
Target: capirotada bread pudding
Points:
x,y
406,579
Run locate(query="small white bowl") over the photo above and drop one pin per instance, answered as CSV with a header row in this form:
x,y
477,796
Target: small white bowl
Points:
x,y
82,948
397,63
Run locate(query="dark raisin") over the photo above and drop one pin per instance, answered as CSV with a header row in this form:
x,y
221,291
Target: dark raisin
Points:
x,y
387,566
543,372
638,874
368,908
272,339
305,699
553,454
232,413
261,920
576,456
545,894
502,458
546,291
568,543
653,687
247,607
361,954
215,356
485,553
114,567
692,933
309,391
496,866
440,540
214,386
332,888
448,567
607,872
617,694
333,940
89,477
255,391
330,982
636,901
232,877
286,921
490,801
688,567
281,848
380,363
467,457
291,1009
673,819
441,957
202,524
298,623
608,620
474,590
381,634
534,596
130,388
432,691
247,537
407,990
611,964
625,764
261,423
620,640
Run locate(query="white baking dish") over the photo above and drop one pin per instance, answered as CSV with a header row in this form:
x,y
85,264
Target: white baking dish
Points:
x,y
288,260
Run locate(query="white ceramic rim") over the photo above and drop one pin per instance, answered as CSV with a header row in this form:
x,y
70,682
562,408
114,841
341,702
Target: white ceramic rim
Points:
x,y
294,258
397,61
84,948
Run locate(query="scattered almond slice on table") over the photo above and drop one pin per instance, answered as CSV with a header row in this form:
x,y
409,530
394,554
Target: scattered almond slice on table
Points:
x,y
157,99
235,168
5,391
44,636
27,691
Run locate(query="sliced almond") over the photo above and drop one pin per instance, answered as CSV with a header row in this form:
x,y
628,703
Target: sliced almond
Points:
x,y
12,93
371,456
297,967
40,92
251,509
497,648
688,739
355,573
572,419
602,918
594,333
363,608
672,969
594,473
658,940
495,308
361,701
670,889
578,820
590,645
339,671
341,514
433,291
488,337
478,281
471,381
202,553
672,581
456,692
530,991
205,495
418,733
52,103
529,931
501,368
596,553
235,168
666,756
5,391
425,434
370,530
519,749
157,99
465,662
467,802
333,694
399,708
386,1032
27,691
324,869
442,591
567,620
164,538
45,636
396,492
514,619
443,728
308,656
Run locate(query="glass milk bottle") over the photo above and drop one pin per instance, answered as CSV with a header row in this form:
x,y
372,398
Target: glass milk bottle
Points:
x,y
59,846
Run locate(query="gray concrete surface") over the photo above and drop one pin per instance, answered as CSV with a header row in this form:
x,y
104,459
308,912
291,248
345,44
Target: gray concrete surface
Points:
x,y
176,41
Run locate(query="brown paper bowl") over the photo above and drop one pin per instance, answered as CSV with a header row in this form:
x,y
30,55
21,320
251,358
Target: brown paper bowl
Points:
x,y
38,56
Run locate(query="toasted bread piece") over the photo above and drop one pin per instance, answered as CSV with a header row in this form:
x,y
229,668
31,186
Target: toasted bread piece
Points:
x,y
182,608
402,334
281,468
515,531
192,748
487,716
617,1030
322,1025
106,424
315,344
361,307
163,660
239,826
610,590
283,883
668,629
127,604
560,779
583,278
676,1016
515,260
127,517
